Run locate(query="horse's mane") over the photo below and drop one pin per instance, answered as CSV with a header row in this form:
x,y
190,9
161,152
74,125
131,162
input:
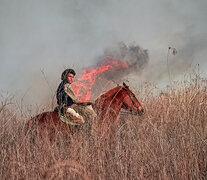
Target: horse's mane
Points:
x,y
109,94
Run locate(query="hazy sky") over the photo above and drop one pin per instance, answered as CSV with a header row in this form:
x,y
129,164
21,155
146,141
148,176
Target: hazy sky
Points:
x,y
39,38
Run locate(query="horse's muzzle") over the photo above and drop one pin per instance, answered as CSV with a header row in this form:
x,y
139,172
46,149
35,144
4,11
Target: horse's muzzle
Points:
x,y
140,112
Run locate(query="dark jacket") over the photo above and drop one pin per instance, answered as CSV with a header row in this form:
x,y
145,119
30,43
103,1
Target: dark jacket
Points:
x,y
62,97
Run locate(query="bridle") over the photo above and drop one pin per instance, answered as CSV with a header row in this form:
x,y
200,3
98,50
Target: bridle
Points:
x,y
138,111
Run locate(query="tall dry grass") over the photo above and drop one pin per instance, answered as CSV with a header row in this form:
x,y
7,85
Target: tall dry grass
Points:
x,y
168,142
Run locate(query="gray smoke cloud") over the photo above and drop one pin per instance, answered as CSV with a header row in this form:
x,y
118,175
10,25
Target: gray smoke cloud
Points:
x,y
135,56
123,60
49,36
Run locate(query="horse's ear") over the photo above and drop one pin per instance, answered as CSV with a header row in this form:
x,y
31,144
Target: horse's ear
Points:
x,y
124,84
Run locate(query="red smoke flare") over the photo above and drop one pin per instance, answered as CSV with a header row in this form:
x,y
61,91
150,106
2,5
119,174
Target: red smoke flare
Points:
x,y
82,87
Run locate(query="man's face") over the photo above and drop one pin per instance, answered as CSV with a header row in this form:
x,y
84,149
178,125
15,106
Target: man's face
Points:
x,y
70,78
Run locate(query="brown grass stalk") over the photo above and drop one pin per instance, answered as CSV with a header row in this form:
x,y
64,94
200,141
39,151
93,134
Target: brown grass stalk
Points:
x,y
168,142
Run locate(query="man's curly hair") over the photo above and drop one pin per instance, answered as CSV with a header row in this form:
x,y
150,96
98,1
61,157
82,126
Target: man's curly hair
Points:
x,y
66,72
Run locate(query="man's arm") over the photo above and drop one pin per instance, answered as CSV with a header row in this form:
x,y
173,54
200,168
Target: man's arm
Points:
x,y
69,92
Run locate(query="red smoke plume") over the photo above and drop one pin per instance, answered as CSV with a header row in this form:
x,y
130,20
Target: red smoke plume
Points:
x,y
83,86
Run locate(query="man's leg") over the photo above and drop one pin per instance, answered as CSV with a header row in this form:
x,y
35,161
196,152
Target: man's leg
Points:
x,y
76,117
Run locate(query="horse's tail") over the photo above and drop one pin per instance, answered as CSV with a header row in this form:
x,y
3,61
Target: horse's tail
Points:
x,y
30,130
28,126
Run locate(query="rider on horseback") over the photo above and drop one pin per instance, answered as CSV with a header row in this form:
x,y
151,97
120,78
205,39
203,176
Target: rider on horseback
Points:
x,y
66,99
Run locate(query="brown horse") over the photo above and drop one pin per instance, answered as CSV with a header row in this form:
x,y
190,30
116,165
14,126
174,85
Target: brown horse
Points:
x,y
109,104
107,107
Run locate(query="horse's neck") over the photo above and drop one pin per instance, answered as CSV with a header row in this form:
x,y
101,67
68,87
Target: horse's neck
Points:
x,y
111,93
109,105
107,99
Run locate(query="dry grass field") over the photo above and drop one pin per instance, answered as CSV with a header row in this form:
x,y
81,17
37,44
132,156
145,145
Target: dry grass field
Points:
x,y
168,142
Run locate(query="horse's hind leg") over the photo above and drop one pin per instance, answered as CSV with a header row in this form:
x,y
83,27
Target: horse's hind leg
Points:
x,y
30,131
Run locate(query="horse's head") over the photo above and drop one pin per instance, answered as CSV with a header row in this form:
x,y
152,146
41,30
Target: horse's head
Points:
x,y
130,101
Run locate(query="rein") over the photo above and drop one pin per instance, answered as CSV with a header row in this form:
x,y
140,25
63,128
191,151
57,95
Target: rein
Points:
x,y
130,98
